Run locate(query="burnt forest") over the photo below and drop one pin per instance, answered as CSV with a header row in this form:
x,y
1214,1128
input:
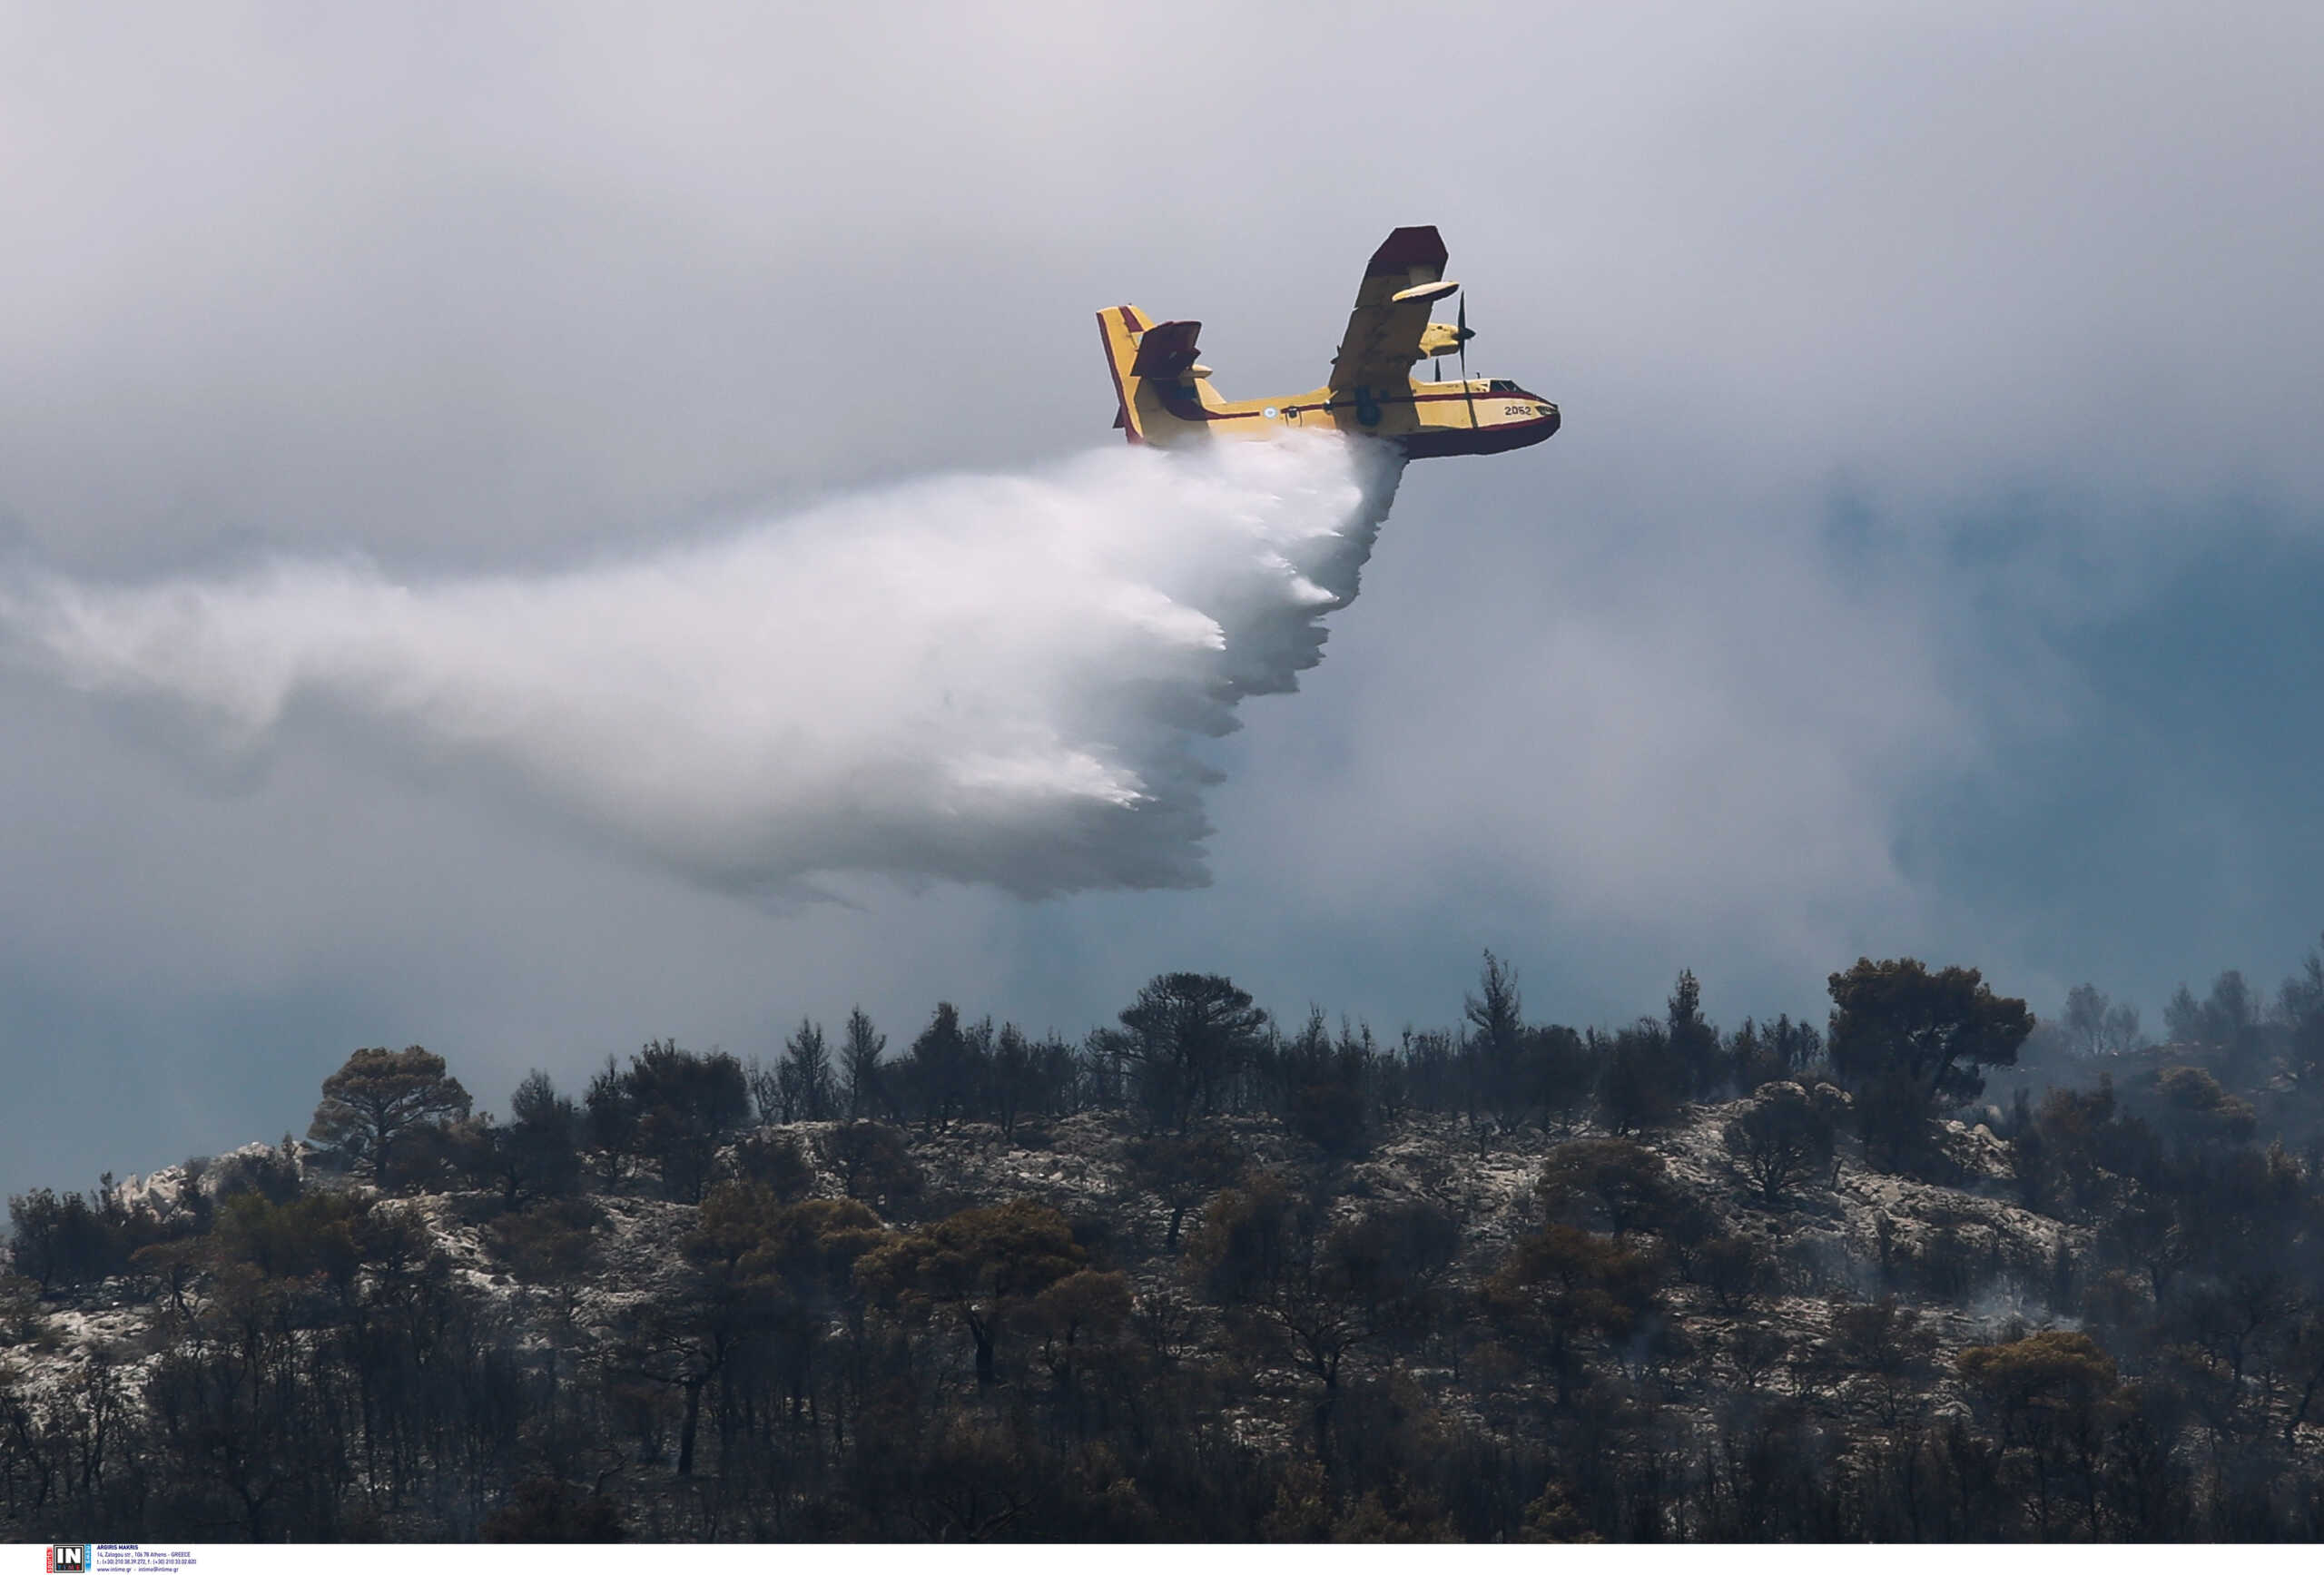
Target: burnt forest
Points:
x,y
1919,1267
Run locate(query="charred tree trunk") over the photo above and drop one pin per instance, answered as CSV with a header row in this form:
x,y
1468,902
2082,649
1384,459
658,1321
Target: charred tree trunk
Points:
x,y
982,1332
692,1421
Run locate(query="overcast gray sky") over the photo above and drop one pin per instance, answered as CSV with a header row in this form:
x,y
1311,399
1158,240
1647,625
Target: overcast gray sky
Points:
x,y
1931,562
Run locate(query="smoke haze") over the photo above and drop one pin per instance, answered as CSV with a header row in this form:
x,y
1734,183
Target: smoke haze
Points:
x,y
992,679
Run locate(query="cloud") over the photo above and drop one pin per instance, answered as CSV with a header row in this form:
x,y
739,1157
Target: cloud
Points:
x,y
2024,300
994,679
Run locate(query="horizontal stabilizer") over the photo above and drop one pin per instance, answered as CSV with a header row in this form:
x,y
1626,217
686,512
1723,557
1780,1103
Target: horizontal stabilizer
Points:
x,y
1166,351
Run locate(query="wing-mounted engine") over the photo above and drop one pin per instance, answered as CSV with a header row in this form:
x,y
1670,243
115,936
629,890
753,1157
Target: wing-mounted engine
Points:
x,y
1442,339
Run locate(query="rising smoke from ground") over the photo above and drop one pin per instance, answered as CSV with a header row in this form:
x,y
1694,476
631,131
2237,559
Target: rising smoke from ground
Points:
x,y
996,679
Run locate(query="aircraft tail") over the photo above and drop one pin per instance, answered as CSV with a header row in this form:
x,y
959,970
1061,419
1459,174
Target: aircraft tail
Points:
x,y
1157,396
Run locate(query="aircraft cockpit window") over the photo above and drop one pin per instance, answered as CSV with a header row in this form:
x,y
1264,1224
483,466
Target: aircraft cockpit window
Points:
x,y
1500,386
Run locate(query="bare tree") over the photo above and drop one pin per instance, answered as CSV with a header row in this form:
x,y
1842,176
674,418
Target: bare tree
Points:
x,y
859,1058
803,1081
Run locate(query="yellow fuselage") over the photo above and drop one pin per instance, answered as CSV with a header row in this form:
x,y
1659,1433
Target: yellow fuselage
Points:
x,y
1481,416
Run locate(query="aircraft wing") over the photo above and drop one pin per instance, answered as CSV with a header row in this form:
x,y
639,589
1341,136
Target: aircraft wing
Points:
x,y
1383,332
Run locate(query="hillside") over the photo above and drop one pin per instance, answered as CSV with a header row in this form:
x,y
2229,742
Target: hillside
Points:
x,y
1260,1310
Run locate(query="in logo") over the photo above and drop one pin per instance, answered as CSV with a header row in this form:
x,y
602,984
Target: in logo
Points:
x,y
68,1559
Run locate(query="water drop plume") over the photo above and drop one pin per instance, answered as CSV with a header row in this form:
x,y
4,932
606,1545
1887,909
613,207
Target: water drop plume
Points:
x,y
987,678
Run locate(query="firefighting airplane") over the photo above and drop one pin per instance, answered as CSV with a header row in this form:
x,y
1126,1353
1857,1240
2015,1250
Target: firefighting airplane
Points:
x,y
1166,395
